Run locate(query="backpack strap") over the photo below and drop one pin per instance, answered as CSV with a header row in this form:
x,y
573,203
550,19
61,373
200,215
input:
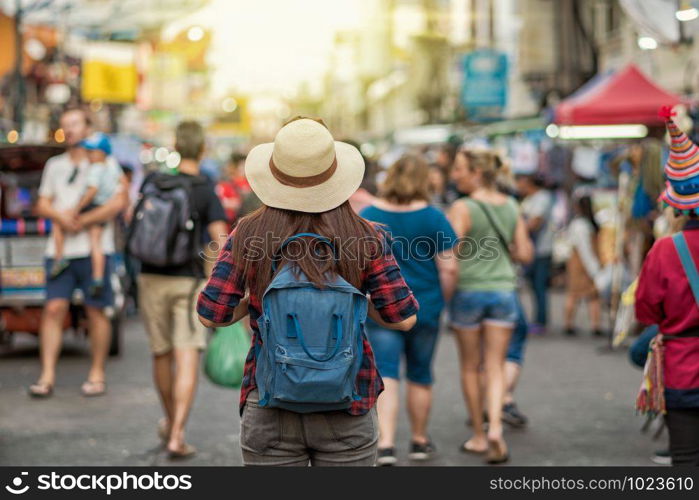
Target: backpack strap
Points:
x,y
690,269
493,223
322,239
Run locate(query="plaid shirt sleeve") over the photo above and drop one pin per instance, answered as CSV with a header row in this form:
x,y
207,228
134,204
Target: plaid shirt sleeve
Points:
x,y
224,289
389,293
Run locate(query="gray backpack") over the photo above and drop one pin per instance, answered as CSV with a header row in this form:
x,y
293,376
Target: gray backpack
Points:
x,y
165,229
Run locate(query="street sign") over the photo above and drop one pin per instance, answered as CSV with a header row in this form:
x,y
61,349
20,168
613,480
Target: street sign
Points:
x,y
484,87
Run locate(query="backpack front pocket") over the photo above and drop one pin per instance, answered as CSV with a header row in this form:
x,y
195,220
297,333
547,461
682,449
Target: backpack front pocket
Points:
x,y
299,379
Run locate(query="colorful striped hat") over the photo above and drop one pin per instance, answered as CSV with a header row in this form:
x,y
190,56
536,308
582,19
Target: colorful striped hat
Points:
x,y
681,169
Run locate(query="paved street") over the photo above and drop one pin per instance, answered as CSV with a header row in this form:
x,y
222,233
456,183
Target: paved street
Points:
x,y
580,403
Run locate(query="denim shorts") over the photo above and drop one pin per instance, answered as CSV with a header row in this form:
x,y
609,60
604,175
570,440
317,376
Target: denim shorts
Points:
x,y
515,351
417,346
471,308
78,275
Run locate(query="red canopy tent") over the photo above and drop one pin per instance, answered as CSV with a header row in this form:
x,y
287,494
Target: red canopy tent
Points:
x,y
625,96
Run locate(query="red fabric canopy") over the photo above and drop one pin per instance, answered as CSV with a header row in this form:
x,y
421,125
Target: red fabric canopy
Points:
x,y
626,96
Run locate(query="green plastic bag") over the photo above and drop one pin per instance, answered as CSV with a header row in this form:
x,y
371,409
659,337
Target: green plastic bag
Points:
x,y
225,356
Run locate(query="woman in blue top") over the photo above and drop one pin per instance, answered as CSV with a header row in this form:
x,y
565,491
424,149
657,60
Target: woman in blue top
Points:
x,y
422,240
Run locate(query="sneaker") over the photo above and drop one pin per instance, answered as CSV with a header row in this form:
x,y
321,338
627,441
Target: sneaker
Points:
x,y
662,457
421,451
386,456
512,416
599,333
570,332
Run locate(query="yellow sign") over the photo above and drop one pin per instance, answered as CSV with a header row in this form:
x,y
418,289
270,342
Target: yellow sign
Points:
x,y
109,73
233,117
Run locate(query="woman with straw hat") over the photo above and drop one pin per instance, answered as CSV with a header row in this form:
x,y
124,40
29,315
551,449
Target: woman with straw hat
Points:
x,y
304,180
668,296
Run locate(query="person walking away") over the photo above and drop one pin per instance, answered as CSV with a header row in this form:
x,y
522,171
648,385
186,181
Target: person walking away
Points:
x,y
537,206
484,308
310,383
233,188
668,295
63,182
583,266
170,278
514,360
421,241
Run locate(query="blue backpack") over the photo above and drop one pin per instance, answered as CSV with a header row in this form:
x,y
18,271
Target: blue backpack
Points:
x,y
311,348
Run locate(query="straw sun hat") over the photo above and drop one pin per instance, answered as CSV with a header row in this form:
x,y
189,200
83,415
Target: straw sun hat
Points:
x,y
304,169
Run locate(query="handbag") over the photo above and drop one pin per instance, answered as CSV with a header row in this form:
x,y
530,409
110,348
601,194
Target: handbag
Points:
x,y
651,395
225,356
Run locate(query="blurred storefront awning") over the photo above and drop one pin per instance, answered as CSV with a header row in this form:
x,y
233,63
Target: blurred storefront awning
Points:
x,y
624,96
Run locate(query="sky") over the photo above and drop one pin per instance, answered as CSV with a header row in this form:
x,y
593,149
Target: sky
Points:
x,y
271,45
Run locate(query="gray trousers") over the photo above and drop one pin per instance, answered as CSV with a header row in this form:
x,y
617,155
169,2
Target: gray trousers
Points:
x,y
271,436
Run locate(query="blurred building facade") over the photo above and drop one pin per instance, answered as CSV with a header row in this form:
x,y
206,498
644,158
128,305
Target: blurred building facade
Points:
x,y
404,66
106,54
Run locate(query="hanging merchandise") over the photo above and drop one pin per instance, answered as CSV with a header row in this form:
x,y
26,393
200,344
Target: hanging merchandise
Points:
x,y
586,162
525,156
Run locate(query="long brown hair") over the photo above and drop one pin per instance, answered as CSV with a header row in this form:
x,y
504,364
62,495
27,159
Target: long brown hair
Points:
x,y
259,237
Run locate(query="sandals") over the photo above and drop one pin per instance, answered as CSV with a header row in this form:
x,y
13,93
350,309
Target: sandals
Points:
x,y
91,389
466,447
41,390
187,451
497,452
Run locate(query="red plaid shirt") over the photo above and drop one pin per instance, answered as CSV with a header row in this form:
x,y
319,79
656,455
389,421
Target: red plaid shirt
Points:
x,y
381,279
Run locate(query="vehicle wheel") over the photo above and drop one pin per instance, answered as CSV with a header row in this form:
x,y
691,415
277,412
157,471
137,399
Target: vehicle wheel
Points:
x,y
115,344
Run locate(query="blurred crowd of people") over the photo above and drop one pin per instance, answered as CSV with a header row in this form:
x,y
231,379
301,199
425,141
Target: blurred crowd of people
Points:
x,y
482,233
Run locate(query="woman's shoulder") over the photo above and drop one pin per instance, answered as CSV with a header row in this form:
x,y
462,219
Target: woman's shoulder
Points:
x,y
368,211
663,244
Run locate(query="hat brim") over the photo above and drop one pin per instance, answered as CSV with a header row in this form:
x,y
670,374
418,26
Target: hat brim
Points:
x,y
689,202
313,199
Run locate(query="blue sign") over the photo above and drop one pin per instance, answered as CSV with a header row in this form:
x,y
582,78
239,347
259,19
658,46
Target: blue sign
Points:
x,y
484,89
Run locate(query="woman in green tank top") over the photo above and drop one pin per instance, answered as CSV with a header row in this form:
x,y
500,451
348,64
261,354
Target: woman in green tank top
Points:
x,y
483,311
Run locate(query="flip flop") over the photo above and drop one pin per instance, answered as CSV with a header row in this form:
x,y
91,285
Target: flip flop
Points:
x,y
187,451
40,390
163,431
497,452
91,389
466,448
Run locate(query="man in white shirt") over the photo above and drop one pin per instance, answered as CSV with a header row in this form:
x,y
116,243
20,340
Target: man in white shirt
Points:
x,y
63,183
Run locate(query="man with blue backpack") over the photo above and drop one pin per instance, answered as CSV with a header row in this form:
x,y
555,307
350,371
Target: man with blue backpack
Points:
x,y
173,216
309,271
